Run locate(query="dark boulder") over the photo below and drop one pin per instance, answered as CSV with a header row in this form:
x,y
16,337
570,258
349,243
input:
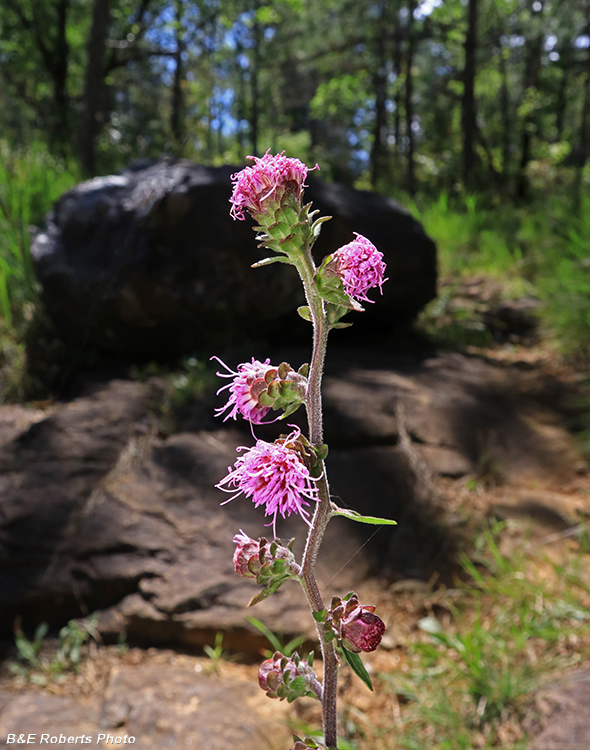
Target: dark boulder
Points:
x,y
150,264
100,511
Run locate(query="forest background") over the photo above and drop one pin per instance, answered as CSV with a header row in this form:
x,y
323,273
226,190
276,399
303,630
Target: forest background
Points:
x,y
473,113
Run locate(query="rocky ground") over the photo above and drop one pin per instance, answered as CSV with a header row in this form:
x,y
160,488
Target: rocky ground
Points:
x,y
105,508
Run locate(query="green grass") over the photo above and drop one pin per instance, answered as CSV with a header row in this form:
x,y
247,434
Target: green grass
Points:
x,y
39,663
542,249
30,182
513,625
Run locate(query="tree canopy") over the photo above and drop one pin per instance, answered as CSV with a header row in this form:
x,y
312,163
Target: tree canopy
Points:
x,y
389,94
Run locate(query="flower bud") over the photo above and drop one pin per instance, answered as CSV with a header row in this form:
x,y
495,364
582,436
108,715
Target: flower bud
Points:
x,y
247,556
362,630
356,626
264,560
283,677
308,744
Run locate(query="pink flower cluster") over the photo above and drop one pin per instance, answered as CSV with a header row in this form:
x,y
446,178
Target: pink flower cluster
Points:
x,y
247,384
360,266
269,178
273,475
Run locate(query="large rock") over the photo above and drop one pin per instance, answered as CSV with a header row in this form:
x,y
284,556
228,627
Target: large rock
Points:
x,y
150,264
98,511
559,716
166,702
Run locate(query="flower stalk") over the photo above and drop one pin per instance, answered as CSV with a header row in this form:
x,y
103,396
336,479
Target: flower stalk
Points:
x,y
289,475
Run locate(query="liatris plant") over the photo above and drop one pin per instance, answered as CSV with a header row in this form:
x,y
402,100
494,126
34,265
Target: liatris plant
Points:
x,y
289,475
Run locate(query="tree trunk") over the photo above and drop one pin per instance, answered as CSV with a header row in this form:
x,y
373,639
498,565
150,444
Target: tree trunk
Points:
x,y
506,119
584,148
61,52
397,69
411,170
176,113
92,116
380,89
531,81
255,104
561,104
468,113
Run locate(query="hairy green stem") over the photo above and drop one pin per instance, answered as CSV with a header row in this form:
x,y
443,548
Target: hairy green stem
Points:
x,y
322,511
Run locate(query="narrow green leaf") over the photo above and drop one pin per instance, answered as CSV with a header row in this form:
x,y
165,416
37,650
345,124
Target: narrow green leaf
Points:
x,y
272,639
357,666
316,227
268,591
354,516
269,261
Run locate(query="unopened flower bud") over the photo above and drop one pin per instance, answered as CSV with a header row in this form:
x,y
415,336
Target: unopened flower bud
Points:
x,y
308,744
247,556
283,677
362,630
356,626
264,560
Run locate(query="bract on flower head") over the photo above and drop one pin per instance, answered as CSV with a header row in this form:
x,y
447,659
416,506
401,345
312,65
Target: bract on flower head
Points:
x,y
259,187
273,475
360,266
244,389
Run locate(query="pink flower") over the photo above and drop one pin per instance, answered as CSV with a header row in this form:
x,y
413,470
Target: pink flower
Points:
x,y
362,630
273,475
248,383
256,188
360,266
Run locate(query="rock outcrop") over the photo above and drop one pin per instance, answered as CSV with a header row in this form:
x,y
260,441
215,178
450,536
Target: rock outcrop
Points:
x,y
150,264
99,511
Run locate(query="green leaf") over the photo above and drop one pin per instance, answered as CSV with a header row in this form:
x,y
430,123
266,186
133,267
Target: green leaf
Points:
x,y
268,591
354,516
316,227
321,451
320,615
304,312
268,261
290,410
272,639
357,666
